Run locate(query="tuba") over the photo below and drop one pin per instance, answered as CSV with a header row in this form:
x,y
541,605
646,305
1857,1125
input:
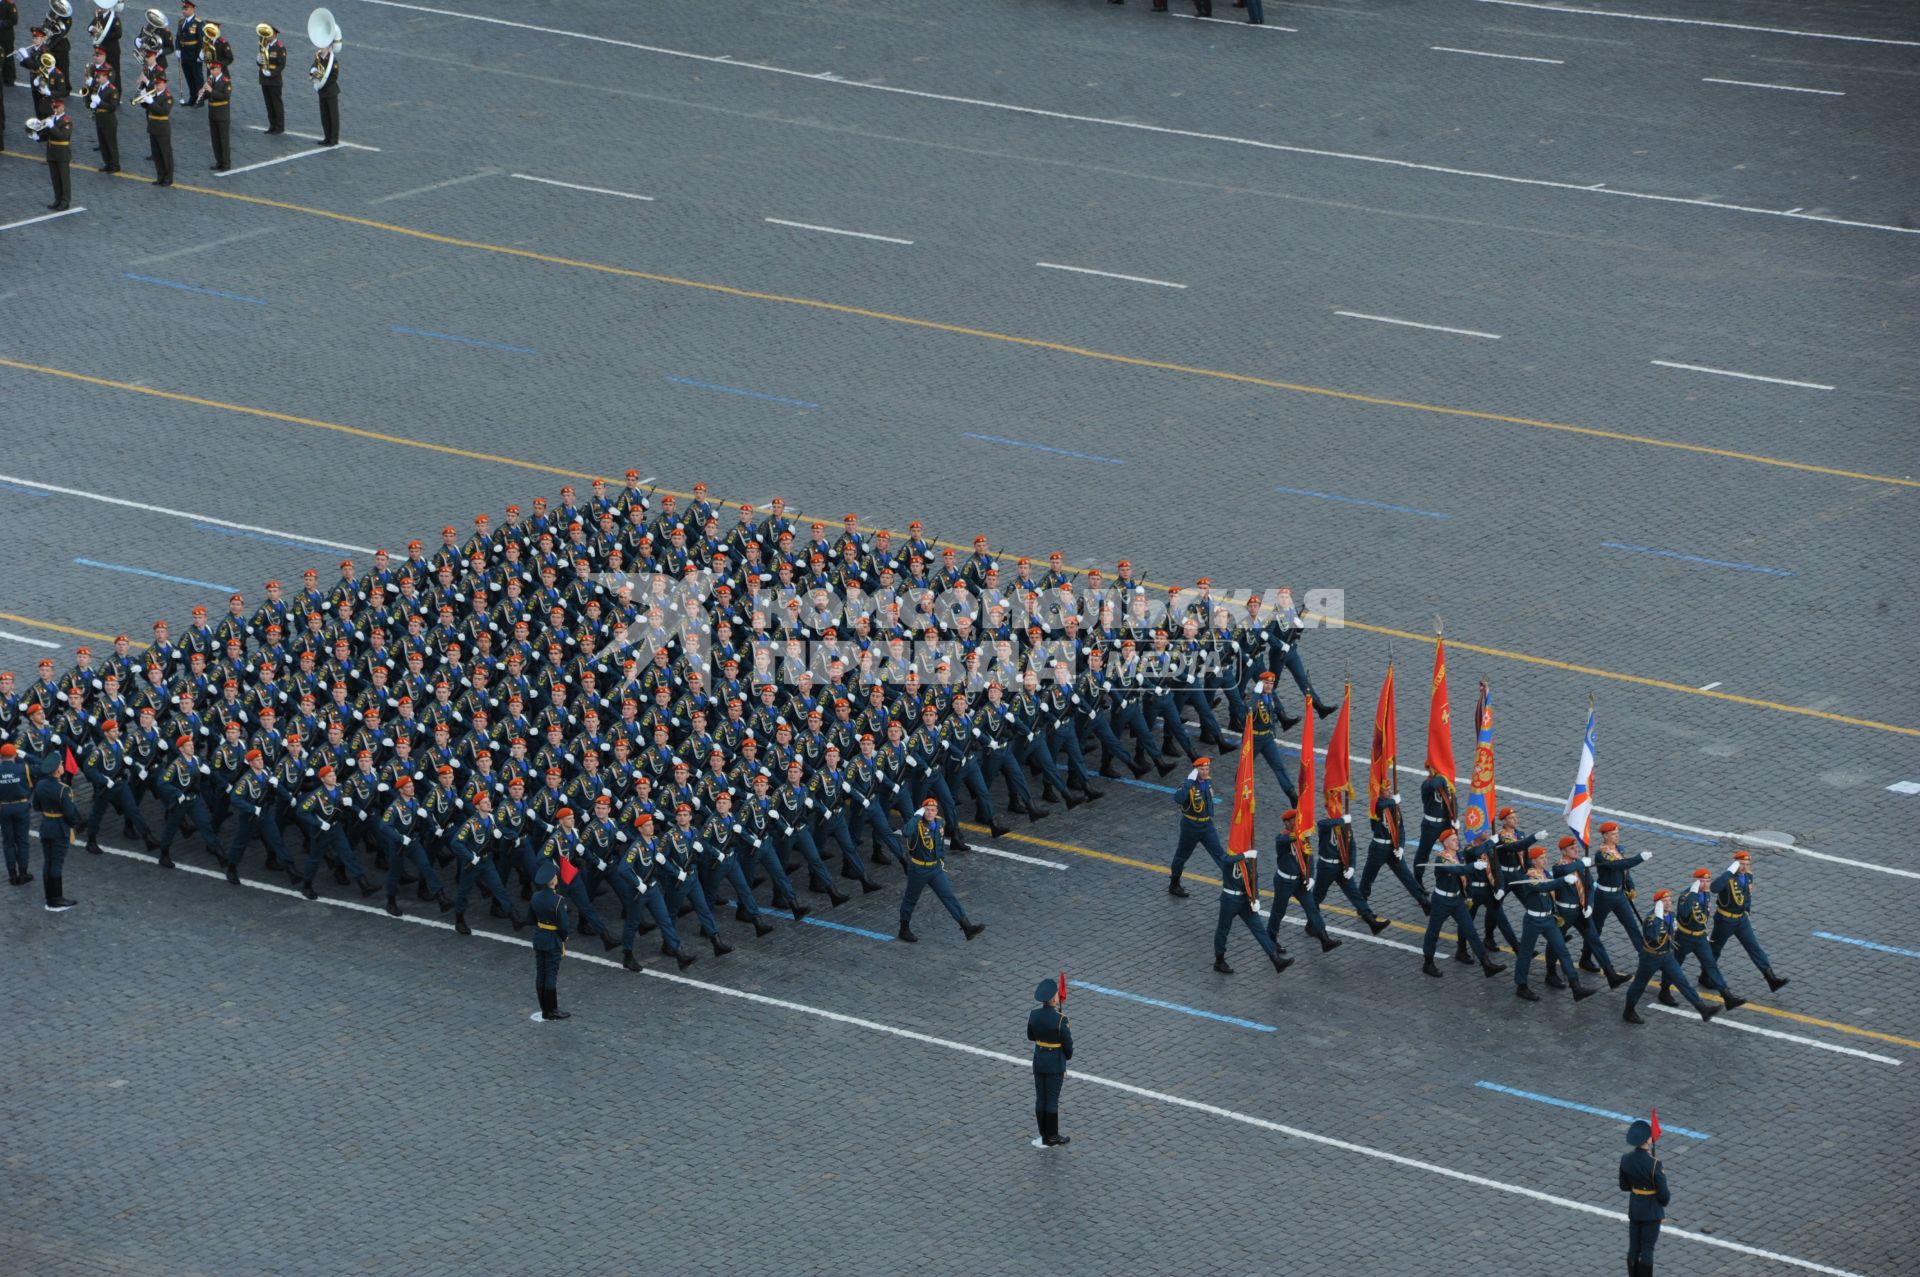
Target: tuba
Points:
x,y
59,18
150,38
325,34
265,33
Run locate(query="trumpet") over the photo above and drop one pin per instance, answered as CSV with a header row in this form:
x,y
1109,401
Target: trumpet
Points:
x,y
146,95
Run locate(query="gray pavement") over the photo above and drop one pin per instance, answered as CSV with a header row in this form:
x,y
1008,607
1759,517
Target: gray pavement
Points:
x,y
219,1081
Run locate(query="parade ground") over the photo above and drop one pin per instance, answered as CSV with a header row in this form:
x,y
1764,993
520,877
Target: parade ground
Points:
x,y
1589,334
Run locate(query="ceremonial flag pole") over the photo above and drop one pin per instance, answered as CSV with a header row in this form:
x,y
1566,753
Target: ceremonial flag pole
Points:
x,y
1240,833
1579,813
1383,763
1482,802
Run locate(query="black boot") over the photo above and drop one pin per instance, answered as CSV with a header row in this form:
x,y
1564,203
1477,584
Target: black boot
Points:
x,y
1328,944
444,900
1554,981
761,927
1732,1003
906,933
684,958
607,942
1320,707
93,846
519,920
306,888
1376,924
720,947
1666,996
1707,1013
1774,983
1525,993
972,929
1615,979
166,858
1631,1016
1280,962
1461,955
999,831
1046,1136
1581,992
393,908
1220,965
799,911
460,926
1492,968
57,899
838,898
628,961
868,886
1091,794
1175,889
1427,968
367,888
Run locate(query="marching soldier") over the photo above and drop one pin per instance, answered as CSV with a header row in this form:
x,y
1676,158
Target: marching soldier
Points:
x,y
187,42
217,93
57,133
1335,865
109,771
103,96
159,106
1537,890
1573,899
549,942
1388,849
1196,824
1293,863
256,799
1449,904
179,789
1733,901
1642,1178
273,68
1052,1048
1656,958
925,839
1690,924
1236,901
1439,810
1613,885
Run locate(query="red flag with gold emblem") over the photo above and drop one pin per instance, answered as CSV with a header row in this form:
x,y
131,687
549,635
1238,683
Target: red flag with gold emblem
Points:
x,y
1338,786
1440,718
1383,763
1240,834
1304,808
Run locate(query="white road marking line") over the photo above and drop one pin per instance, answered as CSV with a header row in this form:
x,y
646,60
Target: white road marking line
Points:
x,y
1138,126
1024,1063
435,186
1708,687
987,851
1257,26
1701,22
315,137
1722,1021
1897,787
1408,323
180,514
279,159
34,642
1107,274
1509,57
575,186
44,217
224,240
1784,88
1744,376
834,230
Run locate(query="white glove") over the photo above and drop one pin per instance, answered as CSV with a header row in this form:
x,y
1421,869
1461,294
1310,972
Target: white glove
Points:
x,y
1646,856
1253,853
346,801
1733,867
809,803
1347,873
1346,818
1399,853
1309,884
1538,834
1480,864
1500,893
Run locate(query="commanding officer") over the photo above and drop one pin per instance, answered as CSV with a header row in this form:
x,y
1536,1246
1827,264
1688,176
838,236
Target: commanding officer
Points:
x,y
1690,921
1196,823
273,73
1646,1183
549,942
57,133
188,42
159,105
1733,901
16,811
925,840
103,95
1052,1048
58,819
1237,902
217,93
1656,958
1449,904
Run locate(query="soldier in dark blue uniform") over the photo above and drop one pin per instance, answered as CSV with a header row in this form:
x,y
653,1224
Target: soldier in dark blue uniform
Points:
x,y
1439,809
1646,1183
1448,903
1656,958
1691,919
925,841
1293,880
549,941
1052,1048
1196,823
16,813
1733,902
58,819
1537,889
1236,901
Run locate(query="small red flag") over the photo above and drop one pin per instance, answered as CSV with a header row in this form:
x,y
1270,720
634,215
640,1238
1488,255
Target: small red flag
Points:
x,y
1383,769
567,872
1440,717
1063,986
72,768
1656,1125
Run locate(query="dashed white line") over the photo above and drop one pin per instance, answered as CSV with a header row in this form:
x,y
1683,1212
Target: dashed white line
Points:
x,y
1257,26
180,514
1744,376
191,249
11,637
1089,1079
1010,855
1700,22
44,217
1708,687
1107,274
433,186
1723,1021
1408,323
278,159
1907,787
1508,57
1784,88
315,137
575,186
834,230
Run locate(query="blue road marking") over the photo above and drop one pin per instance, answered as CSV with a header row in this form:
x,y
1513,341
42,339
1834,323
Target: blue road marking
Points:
x,y
158,576
750,394
192,288
261,536
27,492
1588,1108
1377,505
1041,447
1255,1025
481,342
1868,944
1694,558
841,926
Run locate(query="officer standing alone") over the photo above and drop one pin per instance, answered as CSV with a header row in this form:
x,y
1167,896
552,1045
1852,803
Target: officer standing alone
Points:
x,y
1641,1176
1052,1048
549,942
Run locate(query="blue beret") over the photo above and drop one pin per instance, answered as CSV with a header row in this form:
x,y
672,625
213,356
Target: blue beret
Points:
x,y
1046,990
1639,1133
546,873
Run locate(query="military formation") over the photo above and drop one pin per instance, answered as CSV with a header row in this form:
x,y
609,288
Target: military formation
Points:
x,y
204,81
1256,9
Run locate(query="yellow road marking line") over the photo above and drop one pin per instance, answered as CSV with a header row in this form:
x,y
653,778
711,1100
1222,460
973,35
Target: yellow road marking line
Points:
x,y
1037,343
56,628
1165,871
540,467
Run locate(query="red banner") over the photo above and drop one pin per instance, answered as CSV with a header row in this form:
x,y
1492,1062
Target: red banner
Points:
x,y
1240,834
1440,718
1383,765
